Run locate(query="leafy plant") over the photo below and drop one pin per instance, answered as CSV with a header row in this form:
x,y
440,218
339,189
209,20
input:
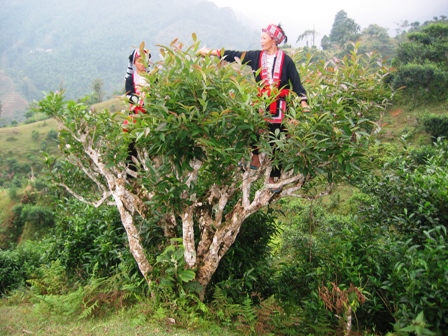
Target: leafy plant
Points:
x,y
418,282
436,125
175,289
87,241
417,327
202,117
20,264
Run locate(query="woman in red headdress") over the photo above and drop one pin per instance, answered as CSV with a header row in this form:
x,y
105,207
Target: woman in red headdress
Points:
x,y
135,82
277,70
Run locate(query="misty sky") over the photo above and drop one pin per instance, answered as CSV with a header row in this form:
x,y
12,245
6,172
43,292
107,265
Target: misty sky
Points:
x,y
299,16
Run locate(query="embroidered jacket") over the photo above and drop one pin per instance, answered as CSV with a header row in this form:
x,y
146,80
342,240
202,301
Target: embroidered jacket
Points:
x,y
134,82
289,78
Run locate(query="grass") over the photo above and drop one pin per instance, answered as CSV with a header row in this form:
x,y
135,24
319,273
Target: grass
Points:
x,y
6,205
17,141
113,105
24,319
403,119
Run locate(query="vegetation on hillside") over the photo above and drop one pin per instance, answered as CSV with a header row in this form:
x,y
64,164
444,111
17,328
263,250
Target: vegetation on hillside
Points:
x,y
50,50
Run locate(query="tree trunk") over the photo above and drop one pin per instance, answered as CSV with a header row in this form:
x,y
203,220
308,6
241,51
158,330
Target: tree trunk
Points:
x,y
218,234
125,204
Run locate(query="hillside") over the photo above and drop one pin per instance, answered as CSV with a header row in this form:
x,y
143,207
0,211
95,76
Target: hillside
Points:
x,y
48,48
14,105
21,146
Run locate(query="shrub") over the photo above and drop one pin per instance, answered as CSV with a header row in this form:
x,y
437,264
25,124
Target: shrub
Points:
x,y
52,135
88,241
410,197
436,125
19,264
419,280
421,64
425,82
325,250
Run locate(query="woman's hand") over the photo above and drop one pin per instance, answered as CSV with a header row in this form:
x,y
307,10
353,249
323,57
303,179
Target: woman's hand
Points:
x,y
206,51
305,106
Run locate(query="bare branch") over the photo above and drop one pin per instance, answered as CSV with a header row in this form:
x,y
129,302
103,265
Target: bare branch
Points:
x,y
96,204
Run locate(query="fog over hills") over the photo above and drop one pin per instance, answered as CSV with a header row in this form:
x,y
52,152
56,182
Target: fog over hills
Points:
x,y
49,44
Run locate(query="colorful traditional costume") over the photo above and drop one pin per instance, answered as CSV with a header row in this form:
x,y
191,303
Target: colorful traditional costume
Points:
x,y
277,72
135,81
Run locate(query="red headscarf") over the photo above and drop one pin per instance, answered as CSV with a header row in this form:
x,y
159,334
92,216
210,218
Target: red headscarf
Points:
x,y
275,33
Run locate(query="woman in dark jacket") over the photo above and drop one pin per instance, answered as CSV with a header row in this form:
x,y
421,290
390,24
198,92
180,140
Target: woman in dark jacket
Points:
x,y
135,81
277,70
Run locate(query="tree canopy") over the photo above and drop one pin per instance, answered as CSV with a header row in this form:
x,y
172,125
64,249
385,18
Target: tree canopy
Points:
x,y
194,143
344,29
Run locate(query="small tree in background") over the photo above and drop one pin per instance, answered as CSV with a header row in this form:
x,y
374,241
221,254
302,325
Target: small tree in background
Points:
x,y
343,30
98,89
193,144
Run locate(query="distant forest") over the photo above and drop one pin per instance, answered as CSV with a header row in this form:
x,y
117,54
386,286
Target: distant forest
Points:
x,y
49,44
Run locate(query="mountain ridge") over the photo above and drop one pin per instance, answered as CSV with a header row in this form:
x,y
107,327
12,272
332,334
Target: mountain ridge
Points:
x,y
52,44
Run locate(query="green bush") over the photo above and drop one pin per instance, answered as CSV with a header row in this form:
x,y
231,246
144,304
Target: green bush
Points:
x,y
324,249
19,264
419,280
11,273
88,241
421,64
410,197
409,200
35,135
436,125
246,267
426,82
52,135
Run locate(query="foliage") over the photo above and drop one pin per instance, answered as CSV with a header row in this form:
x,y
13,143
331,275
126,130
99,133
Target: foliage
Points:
x,y
332,251
19,264
88,242
95,298
268,317
399,278
418,281
410,198
417,327
436,125
343,30
421,63
49,279
174,278
376,39
30,221
334,87
246,268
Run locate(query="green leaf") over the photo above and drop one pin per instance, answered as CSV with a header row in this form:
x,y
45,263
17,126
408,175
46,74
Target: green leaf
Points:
x,y
186,275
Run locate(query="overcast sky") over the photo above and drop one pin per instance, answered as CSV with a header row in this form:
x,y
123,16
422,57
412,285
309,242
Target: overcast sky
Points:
x,y
299,16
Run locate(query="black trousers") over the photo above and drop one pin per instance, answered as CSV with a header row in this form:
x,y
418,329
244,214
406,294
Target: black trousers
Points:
x,y
132,151
276,170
